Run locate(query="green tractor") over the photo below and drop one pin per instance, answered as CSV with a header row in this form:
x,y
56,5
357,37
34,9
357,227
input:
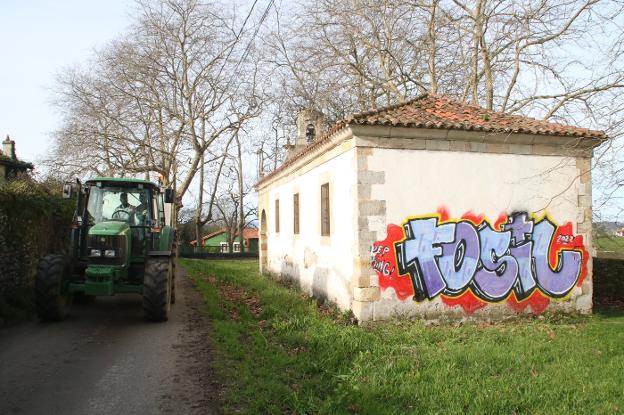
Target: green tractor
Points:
x,y
121,242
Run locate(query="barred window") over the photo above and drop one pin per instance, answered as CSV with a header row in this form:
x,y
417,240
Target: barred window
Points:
x,y
296,213
277,215
325,231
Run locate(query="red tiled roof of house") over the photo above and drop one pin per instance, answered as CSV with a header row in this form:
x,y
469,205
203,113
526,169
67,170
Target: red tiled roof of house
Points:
x,y
438,112
250,233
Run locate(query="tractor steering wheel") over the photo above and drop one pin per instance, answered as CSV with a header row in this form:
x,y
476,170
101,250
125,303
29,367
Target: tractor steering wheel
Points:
x,y
120,213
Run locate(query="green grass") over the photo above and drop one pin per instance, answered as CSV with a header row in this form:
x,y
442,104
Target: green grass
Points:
x,y
609,243
279,353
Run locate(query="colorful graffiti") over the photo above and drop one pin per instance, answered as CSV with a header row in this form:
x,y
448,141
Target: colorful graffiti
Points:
x,y
469,262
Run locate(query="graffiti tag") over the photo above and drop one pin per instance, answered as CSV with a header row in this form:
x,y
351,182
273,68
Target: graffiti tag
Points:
x,y
452,258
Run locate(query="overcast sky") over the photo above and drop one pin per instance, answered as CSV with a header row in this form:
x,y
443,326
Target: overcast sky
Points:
x,y
38,38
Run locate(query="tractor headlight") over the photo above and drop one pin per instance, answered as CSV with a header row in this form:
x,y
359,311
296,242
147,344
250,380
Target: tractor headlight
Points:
x,y
109,253
95,253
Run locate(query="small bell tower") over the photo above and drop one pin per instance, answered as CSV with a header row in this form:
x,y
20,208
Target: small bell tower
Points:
x,y
309,126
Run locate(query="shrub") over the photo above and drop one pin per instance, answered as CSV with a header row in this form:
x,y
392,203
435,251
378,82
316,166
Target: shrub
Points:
x,y
34,221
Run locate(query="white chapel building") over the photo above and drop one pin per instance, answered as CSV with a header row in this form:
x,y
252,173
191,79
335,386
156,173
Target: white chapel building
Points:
x,y
433,209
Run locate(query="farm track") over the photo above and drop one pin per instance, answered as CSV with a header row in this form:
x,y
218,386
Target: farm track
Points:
x,y
106,359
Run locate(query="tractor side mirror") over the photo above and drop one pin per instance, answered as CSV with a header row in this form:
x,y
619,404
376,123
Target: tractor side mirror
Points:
x,y
169,194
67,190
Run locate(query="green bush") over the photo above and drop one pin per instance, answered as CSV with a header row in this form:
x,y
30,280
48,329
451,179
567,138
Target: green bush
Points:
x,y
34,221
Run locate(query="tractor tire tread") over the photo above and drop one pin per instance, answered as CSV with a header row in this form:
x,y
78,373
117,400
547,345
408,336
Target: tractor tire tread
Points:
x,y
48,281
155,304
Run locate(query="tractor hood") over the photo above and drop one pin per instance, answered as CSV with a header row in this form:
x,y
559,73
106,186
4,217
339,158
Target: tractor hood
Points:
x,y
111,228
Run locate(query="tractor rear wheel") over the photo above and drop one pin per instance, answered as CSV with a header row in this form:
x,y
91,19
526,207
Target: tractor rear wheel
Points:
x,y
53,300
157,289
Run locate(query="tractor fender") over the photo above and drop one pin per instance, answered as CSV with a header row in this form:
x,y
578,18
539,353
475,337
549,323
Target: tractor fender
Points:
x,y
167,239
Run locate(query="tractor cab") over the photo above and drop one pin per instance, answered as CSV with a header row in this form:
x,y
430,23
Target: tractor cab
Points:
x,y
138,210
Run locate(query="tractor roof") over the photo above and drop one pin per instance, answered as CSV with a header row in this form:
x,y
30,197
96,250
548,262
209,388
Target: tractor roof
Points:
x,y
123,181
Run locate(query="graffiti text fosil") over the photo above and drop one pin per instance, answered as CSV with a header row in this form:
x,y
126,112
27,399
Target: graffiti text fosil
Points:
x,y
450,258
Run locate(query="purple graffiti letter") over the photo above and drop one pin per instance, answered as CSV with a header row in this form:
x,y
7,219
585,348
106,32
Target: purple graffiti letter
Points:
x,y
521,245
499,271
460,258
423,246
560,281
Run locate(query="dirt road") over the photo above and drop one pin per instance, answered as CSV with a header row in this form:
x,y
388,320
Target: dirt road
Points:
x,y
105,359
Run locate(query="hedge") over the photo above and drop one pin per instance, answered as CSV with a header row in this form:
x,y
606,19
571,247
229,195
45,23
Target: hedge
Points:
x,y
609,282
34,221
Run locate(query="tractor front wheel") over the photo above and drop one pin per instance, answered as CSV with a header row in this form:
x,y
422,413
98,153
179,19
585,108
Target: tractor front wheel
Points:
x,y
52,298
157,289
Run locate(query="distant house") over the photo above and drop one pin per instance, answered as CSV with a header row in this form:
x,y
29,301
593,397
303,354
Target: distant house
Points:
x,y
619,232
10,165
218,241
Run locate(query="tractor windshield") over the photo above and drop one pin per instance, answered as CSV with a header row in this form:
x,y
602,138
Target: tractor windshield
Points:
x,y
124,204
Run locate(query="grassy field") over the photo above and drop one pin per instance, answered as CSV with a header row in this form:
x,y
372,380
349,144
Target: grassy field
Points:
x,y
278,352
610,244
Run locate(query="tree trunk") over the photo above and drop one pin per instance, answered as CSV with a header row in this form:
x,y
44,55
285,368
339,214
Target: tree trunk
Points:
x,y
200,202
432,48
241,214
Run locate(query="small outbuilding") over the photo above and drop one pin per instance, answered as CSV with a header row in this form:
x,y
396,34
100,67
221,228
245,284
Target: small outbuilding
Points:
x,y
433,208
218,241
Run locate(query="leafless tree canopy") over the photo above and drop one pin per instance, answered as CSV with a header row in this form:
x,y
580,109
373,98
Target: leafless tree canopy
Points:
x,y
553,59
155,101
169,97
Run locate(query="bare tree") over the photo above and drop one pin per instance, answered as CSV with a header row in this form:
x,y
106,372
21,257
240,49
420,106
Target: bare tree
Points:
x,y
502,55
155,101
233,216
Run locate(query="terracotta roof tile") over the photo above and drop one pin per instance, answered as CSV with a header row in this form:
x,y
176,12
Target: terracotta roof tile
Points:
x,y
433,111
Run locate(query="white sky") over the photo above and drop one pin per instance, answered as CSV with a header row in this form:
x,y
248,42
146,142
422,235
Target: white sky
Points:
x,y
38,39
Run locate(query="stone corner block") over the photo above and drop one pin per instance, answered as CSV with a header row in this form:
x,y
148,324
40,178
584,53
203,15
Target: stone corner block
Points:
x,y
372,207
366,294
584,303
362,310
585,200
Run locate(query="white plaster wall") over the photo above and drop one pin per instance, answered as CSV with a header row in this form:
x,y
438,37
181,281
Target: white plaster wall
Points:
x,y
418,182
323,266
